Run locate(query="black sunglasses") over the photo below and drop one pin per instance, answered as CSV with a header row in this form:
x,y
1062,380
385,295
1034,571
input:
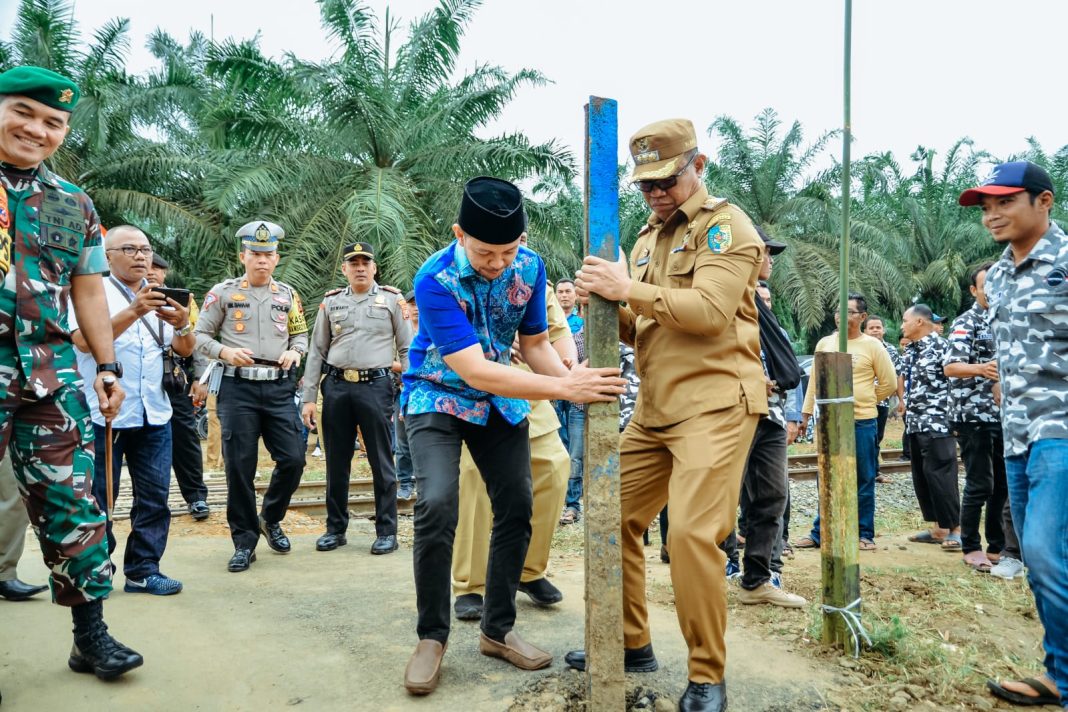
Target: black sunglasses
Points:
x,y
646,186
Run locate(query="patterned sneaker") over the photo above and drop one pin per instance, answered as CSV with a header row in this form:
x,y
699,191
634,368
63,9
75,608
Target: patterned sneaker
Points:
x,y
156,584
776,580
1008,568
733,570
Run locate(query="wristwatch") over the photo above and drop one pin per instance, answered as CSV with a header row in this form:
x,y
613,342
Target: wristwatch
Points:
x,y
185,330
113,367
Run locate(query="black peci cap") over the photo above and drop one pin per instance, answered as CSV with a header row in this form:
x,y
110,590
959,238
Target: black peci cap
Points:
x,y
492,211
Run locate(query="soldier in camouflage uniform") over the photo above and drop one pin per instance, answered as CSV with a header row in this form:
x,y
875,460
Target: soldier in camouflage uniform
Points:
x,y
1027,295
973,371
50,248
934,450
262,338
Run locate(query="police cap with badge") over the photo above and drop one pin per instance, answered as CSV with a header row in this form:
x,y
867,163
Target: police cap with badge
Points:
x,y
662,150
358,249
40,84
491,211
261,236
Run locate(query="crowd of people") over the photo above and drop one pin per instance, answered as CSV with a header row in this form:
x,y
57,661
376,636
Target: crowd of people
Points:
x,y
486,427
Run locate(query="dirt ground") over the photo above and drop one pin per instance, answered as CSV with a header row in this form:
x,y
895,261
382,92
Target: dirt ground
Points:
x,y
333,631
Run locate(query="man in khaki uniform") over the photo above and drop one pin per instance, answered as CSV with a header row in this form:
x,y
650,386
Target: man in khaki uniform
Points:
x,y
692,319
262,338
550,466
13,523
356,335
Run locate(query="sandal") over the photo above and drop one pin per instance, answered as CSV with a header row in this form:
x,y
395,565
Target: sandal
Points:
x,y
807,543
867,544
883,479
787,550
570,516
952,542
978,561
1043,696
926,537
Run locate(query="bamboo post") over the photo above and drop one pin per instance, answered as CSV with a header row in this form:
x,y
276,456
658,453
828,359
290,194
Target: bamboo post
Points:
x,y
836,455
605,684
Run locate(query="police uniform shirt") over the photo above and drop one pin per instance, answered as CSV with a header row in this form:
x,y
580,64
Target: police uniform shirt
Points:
x,y
358,331
1028,310
692,315
971,341
927,386
266,320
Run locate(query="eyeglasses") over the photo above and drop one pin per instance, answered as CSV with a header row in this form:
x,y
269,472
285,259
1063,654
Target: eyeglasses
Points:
x,y
851,312
665,184
130,250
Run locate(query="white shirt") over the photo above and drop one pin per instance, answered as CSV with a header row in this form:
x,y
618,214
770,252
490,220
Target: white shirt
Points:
x,y
141,357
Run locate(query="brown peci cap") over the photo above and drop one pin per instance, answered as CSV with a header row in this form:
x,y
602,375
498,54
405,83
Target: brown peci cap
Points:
x,y
660,149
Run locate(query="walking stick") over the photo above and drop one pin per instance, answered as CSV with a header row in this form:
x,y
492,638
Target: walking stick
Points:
x,y
109,387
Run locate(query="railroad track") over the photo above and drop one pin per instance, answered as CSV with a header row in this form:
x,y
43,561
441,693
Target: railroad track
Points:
x,y
309,498
804,467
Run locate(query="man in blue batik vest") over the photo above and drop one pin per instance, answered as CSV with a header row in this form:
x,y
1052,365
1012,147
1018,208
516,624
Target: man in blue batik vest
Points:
x,y
474,296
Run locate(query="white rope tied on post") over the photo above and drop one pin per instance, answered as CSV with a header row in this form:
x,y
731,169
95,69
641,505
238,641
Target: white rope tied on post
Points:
x,y
853,622
826,401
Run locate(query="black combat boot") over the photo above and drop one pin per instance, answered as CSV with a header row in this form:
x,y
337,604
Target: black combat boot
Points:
x,y
94,649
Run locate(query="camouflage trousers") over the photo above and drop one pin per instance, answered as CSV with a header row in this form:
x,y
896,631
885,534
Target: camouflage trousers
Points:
x,y
51,443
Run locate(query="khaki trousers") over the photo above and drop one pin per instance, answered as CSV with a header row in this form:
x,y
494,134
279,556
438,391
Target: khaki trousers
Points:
x,y
550,467
13,522
698,464
214,451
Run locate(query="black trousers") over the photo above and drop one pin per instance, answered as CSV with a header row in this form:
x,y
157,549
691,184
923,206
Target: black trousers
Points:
x,y
248,410
883,412
185,447
982,450
367,405
765,487
934,477
1012,542
502,454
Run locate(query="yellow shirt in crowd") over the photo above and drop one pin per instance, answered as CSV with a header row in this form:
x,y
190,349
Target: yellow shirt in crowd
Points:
x,y
874,378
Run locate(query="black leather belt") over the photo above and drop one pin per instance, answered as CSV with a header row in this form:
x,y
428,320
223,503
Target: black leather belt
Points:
x,y
355,375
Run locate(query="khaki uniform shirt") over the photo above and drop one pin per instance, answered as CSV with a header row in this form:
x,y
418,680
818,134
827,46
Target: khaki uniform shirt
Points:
x,y
543,418
359,331
266,320
692,314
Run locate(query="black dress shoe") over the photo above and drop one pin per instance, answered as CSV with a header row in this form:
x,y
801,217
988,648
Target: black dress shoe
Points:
x,y
468,607
541,592
241,560
276,538
704,697
330,541
634,659
15,590
384,544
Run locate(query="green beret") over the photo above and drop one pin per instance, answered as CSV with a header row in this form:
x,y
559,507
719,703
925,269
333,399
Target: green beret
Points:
x,y
41,85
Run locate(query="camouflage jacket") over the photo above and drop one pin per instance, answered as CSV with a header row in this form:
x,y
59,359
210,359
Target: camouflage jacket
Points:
x,y
629,396
55,235
926,386
971,341
1028,313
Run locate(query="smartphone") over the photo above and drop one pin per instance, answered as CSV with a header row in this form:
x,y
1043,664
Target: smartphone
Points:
x,y
179,295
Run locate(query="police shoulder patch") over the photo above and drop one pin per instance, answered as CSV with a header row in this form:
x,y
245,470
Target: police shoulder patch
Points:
x,y
719,238
388,288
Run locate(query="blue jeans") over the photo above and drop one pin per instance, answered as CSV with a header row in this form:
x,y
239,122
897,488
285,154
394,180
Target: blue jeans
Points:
x,y
562,409
402,453
576,448
1038,489
148,457
866,433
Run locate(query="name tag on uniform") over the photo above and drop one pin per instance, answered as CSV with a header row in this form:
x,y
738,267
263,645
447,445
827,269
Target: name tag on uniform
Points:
x,y
642,261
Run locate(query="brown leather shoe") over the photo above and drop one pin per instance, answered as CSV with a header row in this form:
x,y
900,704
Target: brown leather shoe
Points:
x,y
424,667
516,651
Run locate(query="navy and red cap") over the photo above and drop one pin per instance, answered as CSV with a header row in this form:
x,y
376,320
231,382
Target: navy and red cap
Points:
x,y
1009,178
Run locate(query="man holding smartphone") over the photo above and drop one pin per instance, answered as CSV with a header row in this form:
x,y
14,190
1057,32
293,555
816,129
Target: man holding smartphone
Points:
x,y
144,323
185,393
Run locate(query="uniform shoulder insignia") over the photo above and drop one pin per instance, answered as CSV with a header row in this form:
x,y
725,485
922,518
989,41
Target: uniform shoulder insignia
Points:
x,y
645,228
333,292
388,288
714,204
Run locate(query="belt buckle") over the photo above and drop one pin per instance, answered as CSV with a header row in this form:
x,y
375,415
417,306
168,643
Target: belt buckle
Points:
x,y
351,375
262,373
